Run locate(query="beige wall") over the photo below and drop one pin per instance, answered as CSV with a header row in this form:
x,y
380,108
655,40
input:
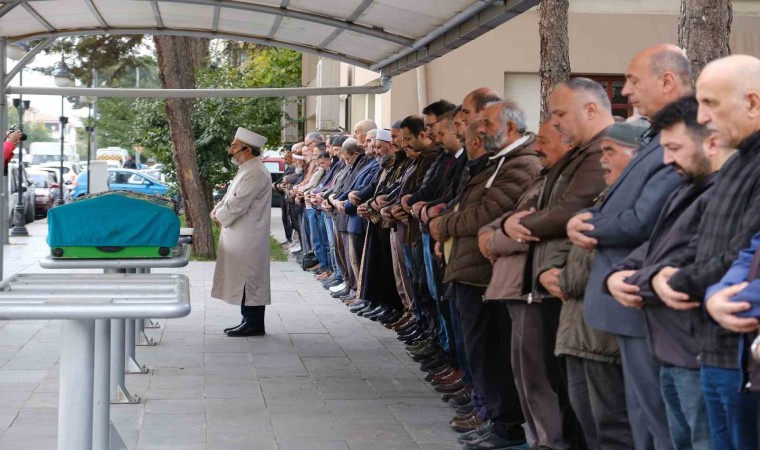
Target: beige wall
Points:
x,y
507,58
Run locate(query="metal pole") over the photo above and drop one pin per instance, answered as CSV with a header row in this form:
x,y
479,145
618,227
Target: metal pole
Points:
x,y
19,227
102,396
76,384
3,187
119,392
95,110
88,129
61,185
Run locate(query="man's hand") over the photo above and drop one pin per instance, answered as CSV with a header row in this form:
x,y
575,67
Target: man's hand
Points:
x,y
405,203
362,211
353,197
341,206
214,219
484,244
381,201
435,210
417,207
723,310
438,250
550,281
398,212
623,292
326,205
516,230
575,228
674,299
435,232
386,214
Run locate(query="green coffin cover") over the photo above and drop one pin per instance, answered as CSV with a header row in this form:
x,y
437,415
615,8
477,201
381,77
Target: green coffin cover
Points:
x,y
112,221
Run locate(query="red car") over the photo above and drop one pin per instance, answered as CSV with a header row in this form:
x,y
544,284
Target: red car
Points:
x,y
46,191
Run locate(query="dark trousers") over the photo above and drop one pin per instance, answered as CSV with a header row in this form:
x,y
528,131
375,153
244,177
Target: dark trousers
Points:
x,y
286,218
348,275
425,304
252,313
646,409
378,282
295,221
487,331
733,414
597,395
539,374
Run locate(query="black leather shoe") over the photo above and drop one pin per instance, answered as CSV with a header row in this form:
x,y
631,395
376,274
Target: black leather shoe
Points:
x,y
375,313
432,353
340,294
367,308
450,388
236,326
247,329
434,365
406,329
390,317
358,307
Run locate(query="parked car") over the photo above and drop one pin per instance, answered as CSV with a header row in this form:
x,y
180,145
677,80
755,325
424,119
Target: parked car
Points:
x,y
123,179
46,191
69,175
276,166
27,195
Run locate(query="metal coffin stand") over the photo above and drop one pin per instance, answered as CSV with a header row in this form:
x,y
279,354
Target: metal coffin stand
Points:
x,y
122,341
81,300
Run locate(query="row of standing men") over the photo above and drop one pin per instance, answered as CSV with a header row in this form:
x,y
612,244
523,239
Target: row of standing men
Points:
x,y
585,287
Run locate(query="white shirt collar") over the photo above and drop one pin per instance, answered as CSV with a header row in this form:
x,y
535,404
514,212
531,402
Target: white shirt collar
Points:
x,y
511,147
459,153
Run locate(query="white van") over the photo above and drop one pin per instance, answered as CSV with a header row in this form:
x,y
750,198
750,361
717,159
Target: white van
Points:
x,y
42,152
114,156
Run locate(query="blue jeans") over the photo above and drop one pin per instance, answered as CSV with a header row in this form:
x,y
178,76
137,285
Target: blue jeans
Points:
x,y
733,414
330,239
316,236
444,332
685,407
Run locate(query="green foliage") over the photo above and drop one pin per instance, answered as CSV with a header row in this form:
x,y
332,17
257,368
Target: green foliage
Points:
x,y
215,120
35,131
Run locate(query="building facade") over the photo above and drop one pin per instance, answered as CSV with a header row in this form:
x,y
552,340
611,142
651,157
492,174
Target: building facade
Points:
x,y
603,35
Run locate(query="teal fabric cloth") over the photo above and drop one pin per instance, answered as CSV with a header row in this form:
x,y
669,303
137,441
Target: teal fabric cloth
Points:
x,y
112,220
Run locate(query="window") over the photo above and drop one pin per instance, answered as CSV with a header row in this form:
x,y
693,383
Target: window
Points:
x,y
613,84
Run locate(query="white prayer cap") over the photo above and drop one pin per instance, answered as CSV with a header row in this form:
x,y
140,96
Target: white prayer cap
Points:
x,y
250,138
299,157
384,135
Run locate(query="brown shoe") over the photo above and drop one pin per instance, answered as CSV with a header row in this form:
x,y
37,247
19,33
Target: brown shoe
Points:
x,y
466,425
466,417
314,269
324,275
399,323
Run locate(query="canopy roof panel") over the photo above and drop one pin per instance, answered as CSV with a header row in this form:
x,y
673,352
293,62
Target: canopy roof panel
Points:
x,y
388,36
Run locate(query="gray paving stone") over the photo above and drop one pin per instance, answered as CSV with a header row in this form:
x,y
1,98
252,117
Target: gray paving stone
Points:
x,y
320,379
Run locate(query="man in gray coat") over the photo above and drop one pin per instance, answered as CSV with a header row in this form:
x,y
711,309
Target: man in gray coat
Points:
x,y
655,77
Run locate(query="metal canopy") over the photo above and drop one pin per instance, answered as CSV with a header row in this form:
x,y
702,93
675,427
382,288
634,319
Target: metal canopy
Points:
x,y
388,36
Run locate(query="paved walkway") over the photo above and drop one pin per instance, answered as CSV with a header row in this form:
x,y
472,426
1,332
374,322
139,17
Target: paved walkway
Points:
x,y
320,379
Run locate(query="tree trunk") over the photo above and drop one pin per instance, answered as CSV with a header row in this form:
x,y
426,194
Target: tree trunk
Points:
x,y
176,71
555,49
704,27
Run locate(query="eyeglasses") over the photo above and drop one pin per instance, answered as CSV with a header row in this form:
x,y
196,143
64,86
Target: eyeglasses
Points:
x,y
430,125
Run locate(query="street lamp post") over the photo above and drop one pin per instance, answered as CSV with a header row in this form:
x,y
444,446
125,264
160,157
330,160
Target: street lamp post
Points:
x,y
62,77
19,228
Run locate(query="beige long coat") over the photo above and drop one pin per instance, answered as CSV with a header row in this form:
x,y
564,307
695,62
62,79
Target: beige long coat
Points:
x,y
243,257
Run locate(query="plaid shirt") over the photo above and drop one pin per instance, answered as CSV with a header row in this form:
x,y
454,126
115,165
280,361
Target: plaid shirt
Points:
x,y
731,218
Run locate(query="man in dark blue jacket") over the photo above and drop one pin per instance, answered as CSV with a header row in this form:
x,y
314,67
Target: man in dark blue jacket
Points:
x,y
673,334
655,77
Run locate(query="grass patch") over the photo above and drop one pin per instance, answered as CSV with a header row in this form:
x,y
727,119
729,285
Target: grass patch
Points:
x,y
276,252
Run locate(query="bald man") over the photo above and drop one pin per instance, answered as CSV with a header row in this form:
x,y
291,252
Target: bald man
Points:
x,y
728,91
655,77
362,128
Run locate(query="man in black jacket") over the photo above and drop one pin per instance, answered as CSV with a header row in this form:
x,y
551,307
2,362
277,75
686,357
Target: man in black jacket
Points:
x,y
729,105
673,334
